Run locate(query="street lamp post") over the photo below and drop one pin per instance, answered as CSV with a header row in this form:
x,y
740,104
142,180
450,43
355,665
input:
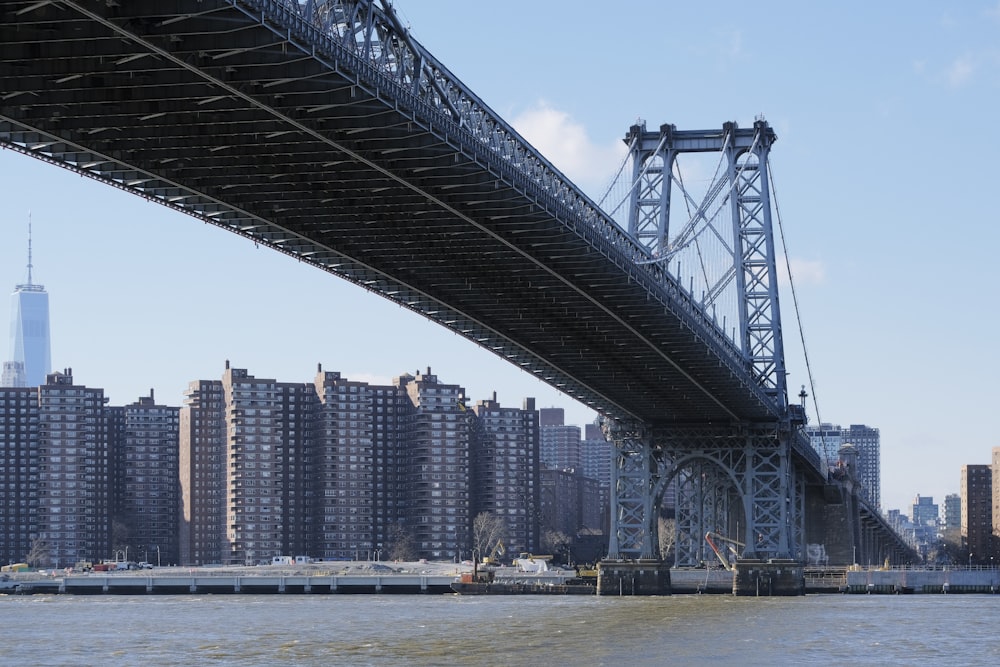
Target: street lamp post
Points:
x,y
970,560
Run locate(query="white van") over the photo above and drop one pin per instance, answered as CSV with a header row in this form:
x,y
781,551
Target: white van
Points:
x,y
282,560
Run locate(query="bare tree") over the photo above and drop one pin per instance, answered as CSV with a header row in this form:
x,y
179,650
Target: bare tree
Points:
x,y
39,554
401,544
556,542
488,530
667,529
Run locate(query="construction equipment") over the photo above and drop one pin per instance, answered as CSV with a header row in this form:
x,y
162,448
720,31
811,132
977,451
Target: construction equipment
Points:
x,y
731,546
498,550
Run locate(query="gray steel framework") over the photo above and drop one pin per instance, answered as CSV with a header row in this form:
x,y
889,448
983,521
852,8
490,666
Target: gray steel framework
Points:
x,y
732,479
749,243
738,480
323,130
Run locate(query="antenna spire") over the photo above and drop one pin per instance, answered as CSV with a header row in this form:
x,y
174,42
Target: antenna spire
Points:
x,y
29,247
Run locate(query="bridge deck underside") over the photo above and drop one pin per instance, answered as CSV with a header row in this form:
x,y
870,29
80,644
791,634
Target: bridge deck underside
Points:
x,y
207,110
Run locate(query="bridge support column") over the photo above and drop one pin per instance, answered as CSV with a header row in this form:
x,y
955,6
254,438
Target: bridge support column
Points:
x,y
638,577
736,481
771,578
633,521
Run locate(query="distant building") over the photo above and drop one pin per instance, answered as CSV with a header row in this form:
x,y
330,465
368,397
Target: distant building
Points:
x,y
506,470
18,473
925,520
977,516
30,357
73,511
347,467
243,447
144,480
925,511
595,455
827,440
560,501
952,512
995,503
266,436
343,469
596,459
203,472
560,443
12,374
867,441
437,513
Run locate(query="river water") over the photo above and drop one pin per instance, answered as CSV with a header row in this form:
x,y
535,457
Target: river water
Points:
x,y
110,630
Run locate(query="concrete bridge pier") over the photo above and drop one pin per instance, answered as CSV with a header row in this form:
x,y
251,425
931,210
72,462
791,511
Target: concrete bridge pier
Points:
x,y
646,576
771,578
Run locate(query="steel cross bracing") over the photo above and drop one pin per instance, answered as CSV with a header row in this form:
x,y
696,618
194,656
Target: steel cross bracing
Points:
x,y
739,481
323,130
734,479
745,235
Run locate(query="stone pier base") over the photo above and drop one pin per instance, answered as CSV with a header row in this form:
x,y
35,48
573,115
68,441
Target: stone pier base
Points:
x,y
633,577
768,578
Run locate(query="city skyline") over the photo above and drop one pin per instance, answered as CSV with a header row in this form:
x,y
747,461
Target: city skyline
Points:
x,y
891,264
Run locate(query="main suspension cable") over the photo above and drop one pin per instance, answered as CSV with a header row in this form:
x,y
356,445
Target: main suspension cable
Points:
x,y
795,298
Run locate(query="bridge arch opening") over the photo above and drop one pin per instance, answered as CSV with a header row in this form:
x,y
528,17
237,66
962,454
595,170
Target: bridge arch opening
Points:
x,y
697,495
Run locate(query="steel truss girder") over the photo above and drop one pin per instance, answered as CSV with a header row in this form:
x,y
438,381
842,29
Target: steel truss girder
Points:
x,y
739,481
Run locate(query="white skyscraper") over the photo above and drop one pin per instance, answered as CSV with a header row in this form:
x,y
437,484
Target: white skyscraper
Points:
x,y
30,358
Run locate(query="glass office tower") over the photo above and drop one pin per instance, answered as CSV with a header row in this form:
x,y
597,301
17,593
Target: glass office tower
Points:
x,y
30,358
29,332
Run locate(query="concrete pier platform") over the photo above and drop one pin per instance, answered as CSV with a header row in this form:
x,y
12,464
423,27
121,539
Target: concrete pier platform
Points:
x,y
219,584
902,581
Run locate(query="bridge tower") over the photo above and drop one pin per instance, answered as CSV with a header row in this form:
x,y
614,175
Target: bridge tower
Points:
x,y
737,479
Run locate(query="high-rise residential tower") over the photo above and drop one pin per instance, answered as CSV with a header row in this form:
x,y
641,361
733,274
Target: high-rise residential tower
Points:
x,y
30,358
437,478
144,486
505,479
560,443
19,472
976,488
73,492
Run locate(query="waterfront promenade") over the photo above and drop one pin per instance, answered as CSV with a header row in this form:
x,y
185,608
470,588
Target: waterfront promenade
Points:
x,y
318,577
346,577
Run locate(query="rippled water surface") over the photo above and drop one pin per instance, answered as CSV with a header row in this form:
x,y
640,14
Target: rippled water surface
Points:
x,y
523,630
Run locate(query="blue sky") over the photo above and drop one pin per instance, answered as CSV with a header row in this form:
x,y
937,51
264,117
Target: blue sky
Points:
x,y
886,122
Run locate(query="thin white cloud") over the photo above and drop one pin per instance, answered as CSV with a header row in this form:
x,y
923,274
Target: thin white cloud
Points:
x,y
735,44
804,272
808,272
961,71
566,144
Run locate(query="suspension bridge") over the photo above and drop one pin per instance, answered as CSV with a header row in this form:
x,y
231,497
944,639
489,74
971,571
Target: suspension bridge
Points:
x,y
324,130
